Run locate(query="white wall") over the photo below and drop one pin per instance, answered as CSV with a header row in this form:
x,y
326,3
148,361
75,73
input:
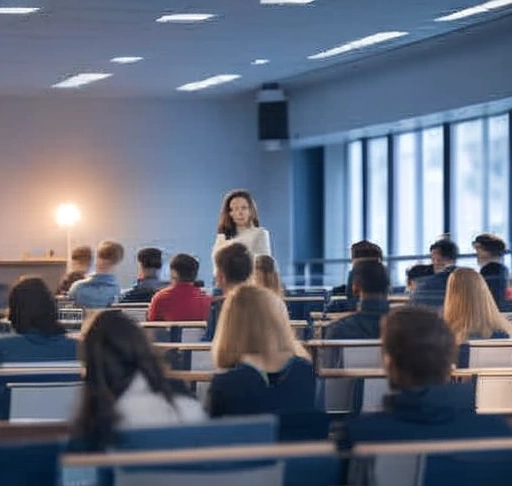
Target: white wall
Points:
x,y
464,68
144,172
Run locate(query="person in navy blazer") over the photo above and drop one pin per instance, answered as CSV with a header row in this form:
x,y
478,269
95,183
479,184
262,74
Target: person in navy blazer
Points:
x,y
430,291
39,336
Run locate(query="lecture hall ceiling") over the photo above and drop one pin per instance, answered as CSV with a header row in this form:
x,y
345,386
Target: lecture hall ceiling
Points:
x,y
66,37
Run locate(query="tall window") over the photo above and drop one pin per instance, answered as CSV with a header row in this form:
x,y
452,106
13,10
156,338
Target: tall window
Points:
x,y
377,216
431,220
468,182
407,198
498,171
481,179
355,191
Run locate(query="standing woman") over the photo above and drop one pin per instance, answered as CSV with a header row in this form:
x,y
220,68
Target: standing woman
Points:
x,y
238,221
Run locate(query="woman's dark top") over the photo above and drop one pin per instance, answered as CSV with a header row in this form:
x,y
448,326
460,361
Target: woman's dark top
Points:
x,y
246,390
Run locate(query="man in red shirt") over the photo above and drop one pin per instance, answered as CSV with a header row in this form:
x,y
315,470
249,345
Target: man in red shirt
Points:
x,y
182,300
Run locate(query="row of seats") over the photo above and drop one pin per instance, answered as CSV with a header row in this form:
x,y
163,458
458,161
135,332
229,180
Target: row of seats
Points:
x,y
245,451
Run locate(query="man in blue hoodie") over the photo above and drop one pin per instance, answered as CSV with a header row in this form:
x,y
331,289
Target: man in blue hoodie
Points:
x,y
418,352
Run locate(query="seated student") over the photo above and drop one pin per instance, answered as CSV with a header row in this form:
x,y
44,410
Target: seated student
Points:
x,y
266,275
148,281
470,310
268,370
416,273
101,288
370,283
182,300
360,251
233,266
33,315
418,352
430,291
81,259
124,385
489,251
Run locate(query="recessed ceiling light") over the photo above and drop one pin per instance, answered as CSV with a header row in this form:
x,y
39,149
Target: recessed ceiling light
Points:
x,y
475,10
126,59
81,79
208,82
18,10
358,44
259,62
285,2
185,18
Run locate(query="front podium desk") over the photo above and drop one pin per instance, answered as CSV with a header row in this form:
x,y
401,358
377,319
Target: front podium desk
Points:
x,y
51,270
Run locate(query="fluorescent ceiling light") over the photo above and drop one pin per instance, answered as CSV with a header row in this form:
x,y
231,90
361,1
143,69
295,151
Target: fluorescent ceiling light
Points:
x,y
208,82
285,2
475,10
358,44
259,62
18,10
185,18
126,59
81,79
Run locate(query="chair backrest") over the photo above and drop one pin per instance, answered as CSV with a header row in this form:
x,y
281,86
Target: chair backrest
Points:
x,y
362,356
308,463
230,474
226,431
493,394
32,375
30,463
43,401
493,353
470,462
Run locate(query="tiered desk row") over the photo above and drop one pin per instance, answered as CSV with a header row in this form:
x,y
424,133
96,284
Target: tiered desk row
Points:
x,y
238,451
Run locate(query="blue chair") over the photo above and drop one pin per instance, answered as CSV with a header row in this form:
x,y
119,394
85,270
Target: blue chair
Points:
x,y
34,463
12,377
260,429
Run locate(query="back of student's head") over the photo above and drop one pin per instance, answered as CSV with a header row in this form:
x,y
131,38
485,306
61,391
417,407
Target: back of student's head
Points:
x,y
184,267
115,349
371,277
266,274
490,243
365,249
150,258
418,347
446,248
235,261
82,255
253,320
419,271
32,308
110,252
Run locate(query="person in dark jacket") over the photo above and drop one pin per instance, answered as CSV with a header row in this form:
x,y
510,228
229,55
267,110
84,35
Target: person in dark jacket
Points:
x,y
370,284
233,266
360,251
39,336
267,369
148,278
430,291
489,253
418,352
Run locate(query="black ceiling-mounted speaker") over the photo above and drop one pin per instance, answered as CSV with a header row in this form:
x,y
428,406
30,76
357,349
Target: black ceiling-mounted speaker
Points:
x,y
272,113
